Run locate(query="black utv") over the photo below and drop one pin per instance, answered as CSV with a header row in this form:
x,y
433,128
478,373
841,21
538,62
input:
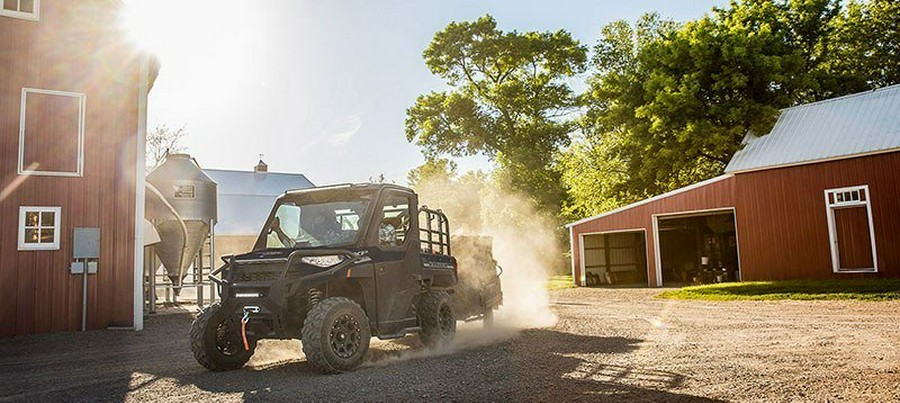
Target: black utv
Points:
x,y
334,266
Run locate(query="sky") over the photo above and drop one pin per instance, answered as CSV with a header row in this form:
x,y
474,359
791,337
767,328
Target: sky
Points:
x,y
322,87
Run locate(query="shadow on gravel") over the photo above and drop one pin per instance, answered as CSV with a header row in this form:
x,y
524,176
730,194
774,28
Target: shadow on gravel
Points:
x,y
536,365
156,365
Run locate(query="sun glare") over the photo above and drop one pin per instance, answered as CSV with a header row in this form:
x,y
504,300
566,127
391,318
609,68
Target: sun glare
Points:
x,y
176,28
205,46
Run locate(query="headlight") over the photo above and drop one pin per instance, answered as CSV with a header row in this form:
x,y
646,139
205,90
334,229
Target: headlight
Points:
x,y
323,261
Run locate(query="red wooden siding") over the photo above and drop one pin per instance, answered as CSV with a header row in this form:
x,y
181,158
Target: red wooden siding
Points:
x,y
715,195
68,51
783,224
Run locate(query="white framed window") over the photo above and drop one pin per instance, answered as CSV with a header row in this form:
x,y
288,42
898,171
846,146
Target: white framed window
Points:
x,y
24,9
39,227
851,230
51,133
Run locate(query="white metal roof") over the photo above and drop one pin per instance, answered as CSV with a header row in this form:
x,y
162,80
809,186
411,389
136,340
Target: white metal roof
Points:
x,y
852,125
246,197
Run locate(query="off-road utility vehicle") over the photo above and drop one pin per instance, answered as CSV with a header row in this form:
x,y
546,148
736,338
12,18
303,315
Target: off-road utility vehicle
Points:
x,y
334,266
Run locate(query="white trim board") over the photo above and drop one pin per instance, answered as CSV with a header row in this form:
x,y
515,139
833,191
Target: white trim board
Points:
x,y
140,174
652,199
82,107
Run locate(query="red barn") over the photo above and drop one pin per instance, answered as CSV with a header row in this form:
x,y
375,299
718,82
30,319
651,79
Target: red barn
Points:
x,y
73,94
816,198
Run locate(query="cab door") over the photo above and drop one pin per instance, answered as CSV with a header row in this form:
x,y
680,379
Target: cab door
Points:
x,y
397,268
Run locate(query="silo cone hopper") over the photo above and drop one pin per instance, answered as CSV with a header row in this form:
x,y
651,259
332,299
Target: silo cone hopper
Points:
x,y
181,204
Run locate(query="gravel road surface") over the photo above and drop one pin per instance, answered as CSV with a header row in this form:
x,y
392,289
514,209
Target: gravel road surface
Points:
x,y
608,345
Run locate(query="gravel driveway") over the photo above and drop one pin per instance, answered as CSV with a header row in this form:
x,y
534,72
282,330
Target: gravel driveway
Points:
x,y
609,344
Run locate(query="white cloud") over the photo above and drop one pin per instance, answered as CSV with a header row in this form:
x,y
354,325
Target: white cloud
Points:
x,y
342,130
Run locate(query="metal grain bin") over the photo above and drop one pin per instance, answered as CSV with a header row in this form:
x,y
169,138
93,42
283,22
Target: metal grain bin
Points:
x,y
181,204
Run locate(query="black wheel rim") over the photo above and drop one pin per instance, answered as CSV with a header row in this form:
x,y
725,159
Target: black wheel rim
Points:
x,y
346,336
226,340
446,321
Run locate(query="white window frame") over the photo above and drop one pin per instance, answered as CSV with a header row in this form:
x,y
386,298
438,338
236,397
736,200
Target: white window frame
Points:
x,y
830,207
35,16
82,102
56,228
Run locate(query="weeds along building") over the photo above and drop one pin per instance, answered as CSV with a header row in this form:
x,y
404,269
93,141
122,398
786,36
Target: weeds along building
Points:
x,y
73,96
816,198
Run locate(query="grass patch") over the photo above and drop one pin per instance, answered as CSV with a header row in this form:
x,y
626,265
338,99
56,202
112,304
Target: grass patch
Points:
x,y
560,282
856,289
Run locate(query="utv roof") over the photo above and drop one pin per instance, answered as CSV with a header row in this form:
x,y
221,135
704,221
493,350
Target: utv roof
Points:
x,y
362,186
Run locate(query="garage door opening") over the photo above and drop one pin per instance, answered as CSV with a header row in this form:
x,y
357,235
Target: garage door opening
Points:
x,y
698,249
618,258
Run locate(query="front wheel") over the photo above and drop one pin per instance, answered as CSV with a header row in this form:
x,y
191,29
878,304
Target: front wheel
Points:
x,y
436,318
336,335
216,340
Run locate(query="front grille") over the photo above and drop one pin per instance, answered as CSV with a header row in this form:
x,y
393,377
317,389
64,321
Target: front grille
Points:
x,y
256,276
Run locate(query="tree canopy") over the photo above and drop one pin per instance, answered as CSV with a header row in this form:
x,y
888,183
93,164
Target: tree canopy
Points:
x,y
508,100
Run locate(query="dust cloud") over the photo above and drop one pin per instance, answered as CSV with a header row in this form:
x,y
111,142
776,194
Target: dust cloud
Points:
x,y
524,243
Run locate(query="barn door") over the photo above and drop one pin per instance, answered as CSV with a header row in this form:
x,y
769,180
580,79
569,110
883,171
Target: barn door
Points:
x,y
851,232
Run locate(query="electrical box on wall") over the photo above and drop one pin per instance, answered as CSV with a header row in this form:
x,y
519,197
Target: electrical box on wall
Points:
x,y
86,243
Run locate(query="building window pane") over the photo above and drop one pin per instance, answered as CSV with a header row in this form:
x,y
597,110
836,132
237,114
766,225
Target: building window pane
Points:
x,y
31,235
31,219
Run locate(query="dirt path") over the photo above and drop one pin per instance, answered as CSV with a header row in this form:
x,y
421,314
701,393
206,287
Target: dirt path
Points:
x,y
608,344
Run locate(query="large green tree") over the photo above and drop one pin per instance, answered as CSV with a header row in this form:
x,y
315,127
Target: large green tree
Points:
x,y
865,47
508,99
669,104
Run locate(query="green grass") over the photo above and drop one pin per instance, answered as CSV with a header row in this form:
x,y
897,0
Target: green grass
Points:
x,y
560,282
859,289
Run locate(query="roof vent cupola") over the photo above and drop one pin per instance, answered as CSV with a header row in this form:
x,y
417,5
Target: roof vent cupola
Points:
x,y
261,167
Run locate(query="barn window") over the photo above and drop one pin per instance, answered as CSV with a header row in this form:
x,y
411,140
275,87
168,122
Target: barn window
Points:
x,y
850,230
39,228
24,9
51,133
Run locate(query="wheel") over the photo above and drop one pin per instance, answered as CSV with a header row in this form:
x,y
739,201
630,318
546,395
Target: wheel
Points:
x,y
336,335
216,340
436,318
488,320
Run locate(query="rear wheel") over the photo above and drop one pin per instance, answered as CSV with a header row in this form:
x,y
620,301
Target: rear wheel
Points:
x,y
336,335
216,340
436,318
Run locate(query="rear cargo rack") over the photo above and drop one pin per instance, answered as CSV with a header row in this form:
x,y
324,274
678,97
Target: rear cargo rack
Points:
x,y
434,231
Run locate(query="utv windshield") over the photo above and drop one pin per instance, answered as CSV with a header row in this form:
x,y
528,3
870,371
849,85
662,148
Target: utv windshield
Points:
x,y
316,220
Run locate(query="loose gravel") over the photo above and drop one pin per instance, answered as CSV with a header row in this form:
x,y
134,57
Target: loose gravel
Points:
x,y
607,345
